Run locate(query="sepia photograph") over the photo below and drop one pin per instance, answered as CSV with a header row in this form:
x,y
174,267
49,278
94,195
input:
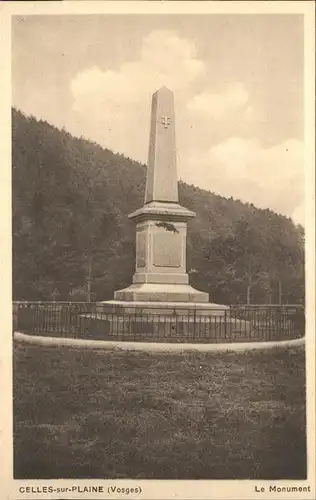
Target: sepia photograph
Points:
x,y
160,218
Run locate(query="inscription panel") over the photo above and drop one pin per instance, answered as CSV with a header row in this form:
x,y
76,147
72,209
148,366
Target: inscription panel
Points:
x,y
167,250
141,250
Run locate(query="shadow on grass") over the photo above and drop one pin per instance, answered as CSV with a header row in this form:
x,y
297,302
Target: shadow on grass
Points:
x,y
100,414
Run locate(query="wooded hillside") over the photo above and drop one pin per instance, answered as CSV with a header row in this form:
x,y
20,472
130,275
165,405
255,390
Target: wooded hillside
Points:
x,y
70,201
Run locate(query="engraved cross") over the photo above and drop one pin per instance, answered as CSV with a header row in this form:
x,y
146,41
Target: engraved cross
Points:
x,y
166,121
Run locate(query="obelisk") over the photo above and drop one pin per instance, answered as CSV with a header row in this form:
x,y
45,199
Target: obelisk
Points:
x,y
162,181
161,224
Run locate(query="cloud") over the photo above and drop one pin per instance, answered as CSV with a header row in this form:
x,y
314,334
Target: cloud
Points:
x,y
298,215
218,105
109,103
268,177
172,57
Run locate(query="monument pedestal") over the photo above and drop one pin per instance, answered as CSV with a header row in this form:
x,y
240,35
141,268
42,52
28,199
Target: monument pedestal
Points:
x,y
160,275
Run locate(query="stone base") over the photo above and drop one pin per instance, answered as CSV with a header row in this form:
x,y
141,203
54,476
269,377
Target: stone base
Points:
x,y
155,292
163,309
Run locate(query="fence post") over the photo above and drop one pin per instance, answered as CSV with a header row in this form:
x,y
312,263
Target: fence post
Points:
x,y
225,323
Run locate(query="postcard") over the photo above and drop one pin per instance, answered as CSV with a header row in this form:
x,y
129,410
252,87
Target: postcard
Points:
x,y
158,250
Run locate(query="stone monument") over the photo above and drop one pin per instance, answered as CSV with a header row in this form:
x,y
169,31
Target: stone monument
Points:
x,y
161,224
160,282
160,304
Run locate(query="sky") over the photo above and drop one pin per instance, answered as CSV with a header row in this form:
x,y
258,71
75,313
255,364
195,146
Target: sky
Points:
x,y
237,80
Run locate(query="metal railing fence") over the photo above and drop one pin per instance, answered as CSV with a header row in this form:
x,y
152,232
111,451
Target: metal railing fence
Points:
x,y
236,323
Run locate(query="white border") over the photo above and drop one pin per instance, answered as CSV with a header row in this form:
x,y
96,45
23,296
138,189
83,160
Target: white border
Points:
x,y
153,489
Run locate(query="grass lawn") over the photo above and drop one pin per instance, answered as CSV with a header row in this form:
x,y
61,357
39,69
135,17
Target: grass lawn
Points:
x,y
101,414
